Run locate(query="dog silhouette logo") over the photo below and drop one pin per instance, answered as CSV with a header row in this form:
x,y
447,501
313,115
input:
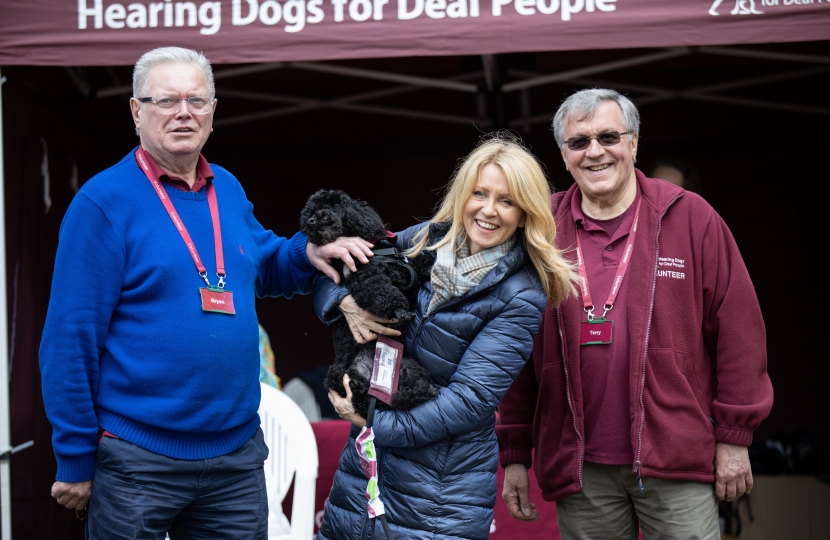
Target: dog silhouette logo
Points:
x,y
742,7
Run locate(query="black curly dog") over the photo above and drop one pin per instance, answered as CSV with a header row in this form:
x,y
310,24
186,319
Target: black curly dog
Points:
x,y
386,287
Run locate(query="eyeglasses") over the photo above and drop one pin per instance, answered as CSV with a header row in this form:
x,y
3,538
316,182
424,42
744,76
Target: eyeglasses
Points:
x,y
609,138
195,104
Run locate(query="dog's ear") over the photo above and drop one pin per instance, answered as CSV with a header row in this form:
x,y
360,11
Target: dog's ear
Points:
x,y
334,198
423,265
360,219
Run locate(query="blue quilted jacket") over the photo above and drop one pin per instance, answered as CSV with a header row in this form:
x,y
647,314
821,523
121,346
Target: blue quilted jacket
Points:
x,y
437,462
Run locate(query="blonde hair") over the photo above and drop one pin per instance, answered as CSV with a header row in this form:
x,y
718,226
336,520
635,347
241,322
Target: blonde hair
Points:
x,y
529,191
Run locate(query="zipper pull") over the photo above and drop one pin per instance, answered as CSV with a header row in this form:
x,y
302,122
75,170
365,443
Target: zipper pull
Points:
x,y
639,476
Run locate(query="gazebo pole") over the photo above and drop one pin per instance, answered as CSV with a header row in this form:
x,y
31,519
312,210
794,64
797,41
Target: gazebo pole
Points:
x,y
5,436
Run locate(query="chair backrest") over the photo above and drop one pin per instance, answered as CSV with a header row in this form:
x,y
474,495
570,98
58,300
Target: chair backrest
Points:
x,y
293,455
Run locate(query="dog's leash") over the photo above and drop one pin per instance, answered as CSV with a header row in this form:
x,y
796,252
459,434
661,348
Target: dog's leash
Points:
x,y
370,419
367,453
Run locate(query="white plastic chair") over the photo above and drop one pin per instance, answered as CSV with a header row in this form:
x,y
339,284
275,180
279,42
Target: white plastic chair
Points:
x,y
293,455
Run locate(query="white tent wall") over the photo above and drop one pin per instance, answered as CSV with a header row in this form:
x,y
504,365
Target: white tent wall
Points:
x,y
5,424
5,419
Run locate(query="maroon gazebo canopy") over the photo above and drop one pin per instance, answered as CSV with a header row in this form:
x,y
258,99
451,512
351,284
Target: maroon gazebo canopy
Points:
x,y
117,32
108,32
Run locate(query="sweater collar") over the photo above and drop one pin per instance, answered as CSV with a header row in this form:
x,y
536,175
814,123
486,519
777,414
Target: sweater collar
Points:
x,y
203,174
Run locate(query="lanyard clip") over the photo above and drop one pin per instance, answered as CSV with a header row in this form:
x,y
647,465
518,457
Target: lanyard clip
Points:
x,y
221,283
607,309
590,312
204,276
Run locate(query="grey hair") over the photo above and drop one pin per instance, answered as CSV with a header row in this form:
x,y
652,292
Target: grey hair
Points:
x,y
169,54
584,103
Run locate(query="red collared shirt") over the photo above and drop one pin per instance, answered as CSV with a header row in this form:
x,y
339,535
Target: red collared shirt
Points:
x,y
605,368
203,174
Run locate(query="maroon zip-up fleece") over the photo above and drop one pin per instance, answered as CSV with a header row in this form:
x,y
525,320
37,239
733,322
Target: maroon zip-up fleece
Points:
x,y
698,352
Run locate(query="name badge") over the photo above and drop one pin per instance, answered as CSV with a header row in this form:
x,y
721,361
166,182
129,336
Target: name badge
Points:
x,y
386,370
596,332
217,300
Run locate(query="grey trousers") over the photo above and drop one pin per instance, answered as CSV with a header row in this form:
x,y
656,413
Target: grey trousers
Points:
x,y
141,495
610,506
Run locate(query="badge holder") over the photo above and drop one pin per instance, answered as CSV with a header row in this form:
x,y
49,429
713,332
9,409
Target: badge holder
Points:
x,y
387,369
214,299
596,331
217,299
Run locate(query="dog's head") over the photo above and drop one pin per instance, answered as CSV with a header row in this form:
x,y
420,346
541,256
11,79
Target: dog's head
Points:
x,y
330,213
322,227
321,217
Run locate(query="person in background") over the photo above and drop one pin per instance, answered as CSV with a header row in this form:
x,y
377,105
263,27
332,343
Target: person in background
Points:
x,y
150,368
496,268
643,392
677,171
267,368
309,393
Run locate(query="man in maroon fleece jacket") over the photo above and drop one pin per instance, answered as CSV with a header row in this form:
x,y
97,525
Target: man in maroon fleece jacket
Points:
x,y
645,390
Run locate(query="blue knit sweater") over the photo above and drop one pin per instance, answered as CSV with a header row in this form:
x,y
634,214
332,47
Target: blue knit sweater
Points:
x,y
127,347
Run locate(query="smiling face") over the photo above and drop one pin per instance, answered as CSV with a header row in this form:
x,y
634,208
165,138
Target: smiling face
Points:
x,y
171,135
490,216
603,173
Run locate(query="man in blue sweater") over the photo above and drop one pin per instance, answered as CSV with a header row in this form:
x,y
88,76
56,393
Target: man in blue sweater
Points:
x,y
149,356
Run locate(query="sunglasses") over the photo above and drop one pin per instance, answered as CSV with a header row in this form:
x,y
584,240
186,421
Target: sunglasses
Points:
x,y
609,138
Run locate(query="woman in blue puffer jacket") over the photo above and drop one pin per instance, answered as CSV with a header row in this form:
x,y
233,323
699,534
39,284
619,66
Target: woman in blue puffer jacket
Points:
x,y
473,331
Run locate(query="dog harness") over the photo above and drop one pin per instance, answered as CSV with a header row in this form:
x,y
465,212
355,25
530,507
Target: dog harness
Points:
x,y
391,255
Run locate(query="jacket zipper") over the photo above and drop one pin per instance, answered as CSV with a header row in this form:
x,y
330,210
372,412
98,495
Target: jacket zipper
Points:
x,y
570,405
637,462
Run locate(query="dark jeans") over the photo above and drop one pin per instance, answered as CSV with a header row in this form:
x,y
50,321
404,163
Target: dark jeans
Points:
x,y
138,494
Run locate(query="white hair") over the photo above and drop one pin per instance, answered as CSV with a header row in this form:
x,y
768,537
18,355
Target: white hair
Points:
x,y
169,54
584,103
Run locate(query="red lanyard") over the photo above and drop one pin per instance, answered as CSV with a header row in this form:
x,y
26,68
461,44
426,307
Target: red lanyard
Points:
x,y
174,216
587,302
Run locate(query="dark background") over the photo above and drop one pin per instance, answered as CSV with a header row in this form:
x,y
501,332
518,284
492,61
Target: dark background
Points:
x,y
763,170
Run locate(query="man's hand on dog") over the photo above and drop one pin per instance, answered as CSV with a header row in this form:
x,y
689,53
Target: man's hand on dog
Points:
x,y
343,405
365,327
345,248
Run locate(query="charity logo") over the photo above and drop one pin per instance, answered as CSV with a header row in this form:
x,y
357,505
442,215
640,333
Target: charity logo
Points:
x,y
666,267
742,7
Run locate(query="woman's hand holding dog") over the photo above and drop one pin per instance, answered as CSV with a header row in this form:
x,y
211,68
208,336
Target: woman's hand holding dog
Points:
x,y
344,407
345,248
365,327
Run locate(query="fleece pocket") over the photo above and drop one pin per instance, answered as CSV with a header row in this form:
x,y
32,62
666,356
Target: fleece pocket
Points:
x,y
677,433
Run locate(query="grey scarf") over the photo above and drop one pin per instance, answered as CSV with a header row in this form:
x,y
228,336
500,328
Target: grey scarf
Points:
x,y
456,271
